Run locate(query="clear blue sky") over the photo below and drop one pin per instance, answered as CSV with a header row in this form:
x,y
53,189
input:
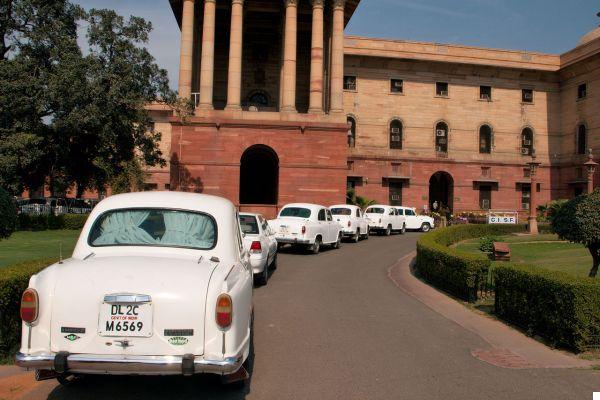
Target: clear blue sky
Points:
x,y
549,26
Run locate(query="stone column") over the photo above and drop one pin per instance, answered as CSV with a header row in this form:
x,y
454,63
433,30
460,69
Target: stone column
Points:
x,y
316,59
288,102
532,220
337,57
234,80
207,64
186,50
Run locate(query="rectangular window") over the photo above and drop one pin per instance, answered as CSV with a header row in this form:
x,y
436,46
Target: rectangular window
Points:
x,y
525,196
396,86
485,197
527,95
350,83
441,89
485,93
395,193
350,183
582,91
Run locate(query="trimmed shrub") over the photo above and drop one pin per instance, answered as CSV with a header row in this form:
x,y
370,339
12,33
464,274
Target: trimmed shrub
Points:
x,y
8,214
450,269
486,243
14,280
563,309
48,221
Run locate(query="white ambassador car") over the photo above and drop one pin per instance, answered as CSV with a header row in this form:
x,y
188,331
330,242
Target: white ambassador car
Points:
x,y
416,222
354,224
385,219
159,284
259,240
309,225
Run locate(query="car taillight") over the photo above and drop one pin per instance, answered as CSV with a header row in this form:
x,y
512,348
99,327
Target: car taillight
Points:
x,y
303,230
224,311
29,306
255,247
349,224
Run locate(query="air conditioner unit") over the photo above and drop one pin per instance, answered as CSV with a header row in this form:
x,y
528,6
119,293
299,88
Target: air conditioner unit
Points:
x,y
443,93
525,151
441,141
395,138
440,132
395,197
398,84
485,204
526,142
395,130
485,97
525,206
528,96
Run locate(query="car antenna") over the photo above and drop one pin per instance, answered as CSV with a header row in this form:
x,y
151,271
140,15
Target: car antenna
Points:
x,y
60,261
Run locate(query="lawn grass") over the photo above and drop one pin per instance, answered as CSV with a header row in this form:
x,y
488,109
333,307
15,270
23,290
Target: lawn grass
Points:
x,y
23,246
571,258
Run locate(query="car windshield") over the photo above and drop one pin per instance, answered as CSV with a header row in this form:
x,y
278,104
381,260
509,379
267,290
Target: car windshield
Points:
x,y
375,210
341,211
249,224
154,227
298,212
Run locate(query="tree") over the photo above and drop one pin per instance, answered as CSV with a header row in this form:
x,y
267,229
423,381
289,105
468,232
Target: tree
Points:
x,y
579,221
8,214
361,202
130,179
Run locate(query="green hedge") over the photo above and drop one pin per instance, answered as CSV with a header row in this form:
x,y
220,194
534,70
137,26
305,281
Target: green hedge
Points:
x,y
14,279
454,271
563,309
28,222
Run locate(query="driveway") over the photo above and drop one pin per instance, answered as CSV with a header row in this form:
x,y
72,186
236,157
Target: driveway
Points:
x,y
334,326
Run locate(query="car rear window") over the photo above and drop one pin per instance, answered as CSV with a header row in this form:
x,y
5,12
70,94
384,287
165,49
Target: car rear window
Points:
x,y
341,211
375,210
249,224
154,227
298,212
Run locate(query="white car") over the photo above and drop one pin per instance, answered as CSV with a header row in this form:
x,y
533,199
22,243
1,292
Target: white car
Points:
x,y
159,284
416,222
259,240
351,218
385,219
309,225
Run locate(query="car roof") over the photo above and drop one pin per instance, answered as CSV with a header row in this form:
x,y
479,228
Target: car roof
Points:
x,y
379,205
304,205
343,206
247,214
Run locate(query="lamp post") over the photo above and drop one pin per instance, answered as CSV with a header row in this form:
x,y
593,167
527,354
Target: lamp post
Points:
x,y
532,220
590,165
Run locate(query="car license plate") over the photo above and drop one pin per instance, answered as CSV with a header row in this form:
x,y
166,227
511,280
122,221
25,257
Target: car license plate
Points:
x,y
120,319
283,229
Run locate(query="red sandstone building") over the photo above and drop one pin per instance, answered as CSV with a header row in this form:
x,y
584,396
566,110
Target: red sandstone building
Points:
x,y
288,109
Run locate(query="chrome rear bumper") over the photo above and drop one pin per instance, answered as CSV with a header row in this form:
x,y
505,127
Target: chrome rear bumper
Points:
x,y
130,365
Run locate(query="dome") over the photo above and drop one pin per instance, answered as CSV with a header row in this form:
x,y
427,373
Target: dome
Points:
x,y
590,36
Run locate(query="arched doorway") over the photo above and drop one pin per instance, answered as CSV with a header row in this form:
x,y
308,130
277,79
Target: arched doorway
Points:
x,y
441,190
259,175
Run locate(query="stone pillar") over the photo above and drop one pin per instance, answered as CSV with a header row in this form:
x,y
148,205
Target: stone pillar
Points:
x,y
207,64
186,50
234,80
532,220
316,59
337,57
288,102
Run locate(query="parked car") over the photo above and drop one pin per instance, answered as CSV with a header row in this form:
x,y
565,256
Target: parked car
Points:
x,y
416,222
353,221
309,225
259,240
385,219
158,284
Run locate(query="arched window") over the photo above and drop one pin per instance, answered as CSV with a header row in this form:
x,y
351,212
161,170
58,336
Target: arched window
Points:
x,y
396,134
351,132
441,137
527,142
485,139
581,139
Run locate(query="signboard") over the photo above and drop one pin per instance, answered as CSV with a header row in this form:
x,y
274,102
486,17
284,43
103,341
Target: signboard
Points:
x,y
503,217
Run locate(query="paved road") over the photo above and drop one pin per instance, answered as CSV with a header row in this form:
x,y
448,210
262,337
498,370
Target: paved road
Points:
x,y
333,326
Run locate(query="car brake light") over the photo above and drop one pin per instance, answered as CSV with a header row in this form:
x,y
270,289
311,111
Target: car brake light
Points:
x,y
29,306
303,230
255,247
349,224
224,311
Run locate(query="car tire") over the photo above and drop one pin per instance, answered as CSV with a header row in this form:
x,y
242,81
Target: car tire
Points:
x,y
403,231
388,230
316,246
356,237
338,243
425,227
368,233
274,262
263,278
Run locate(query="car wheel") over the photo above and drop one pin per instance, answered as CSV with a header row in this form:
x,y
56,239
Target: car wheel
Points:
x,y
425,227
274,263
368,233
356,237
338,242
316,247
388,230
263,277
403,231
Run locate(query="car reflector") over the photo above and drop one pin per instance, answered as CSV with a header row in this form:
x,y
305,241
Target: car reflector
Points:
x,y
224,311
349,224
29,306
303,230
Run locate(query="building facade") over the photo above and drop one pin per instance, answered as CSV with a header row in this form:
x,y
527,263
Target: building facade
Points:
x,y
288,109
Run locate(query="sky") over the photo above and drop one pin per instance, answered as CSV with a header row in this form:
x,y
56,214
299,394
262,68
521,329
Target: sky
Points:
x,y
547,26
